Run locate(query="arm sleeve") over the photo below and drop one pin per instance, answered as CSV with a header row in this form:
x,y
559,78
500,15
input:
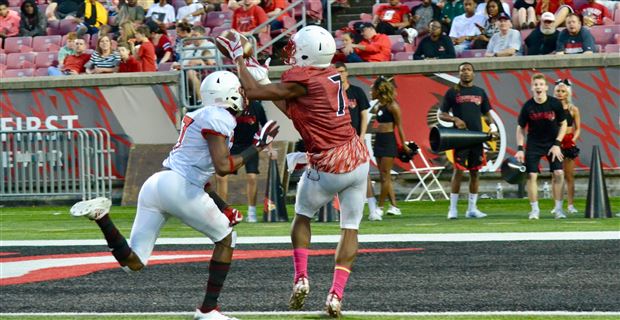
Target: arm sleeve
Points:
x,y
215,125
450,53
418,54
362,101
297,75
522,119
560,115
588,40
446,105
559,45
42,25
150,11
486,105
515,40
261,16
170,18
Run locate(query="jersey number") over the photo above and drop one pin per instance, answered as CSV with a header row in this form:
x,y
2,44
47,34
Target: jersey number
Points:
x,y
186,122
337,79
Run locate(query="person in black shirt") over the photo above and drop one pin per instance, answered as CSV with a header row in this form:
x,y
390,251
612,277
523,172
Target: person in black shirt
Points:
x,y
543,40
358,107
248,124
468,104
436,45
546,125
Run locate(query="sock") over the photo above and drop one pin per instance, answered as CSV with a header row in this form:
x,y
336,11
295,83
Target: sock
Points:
x,y
341,276
300,261
473,197
217,276
454,198
116,241
252,210
534,206
372,204
559,204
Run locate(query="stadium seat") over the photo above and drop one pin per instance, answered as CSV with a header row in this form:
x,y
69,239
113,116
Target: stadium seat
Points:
x,y
366,17
612,48
46,59
66,26
18,73
46,43
3,59
403,56
218,18
15,3
217,31
314,9
475,53
617,38
18,44
604,34
166,66
525,33
53,27
20,60
617,16
40,72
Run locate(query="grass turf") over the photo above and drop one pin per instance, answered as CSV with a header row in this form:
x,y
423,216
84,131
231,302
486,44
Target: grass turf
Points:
x,y
507,215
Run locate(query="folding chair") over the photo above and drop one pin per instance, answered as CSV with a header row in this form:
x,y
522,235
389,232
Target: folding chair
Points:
x,y
427,176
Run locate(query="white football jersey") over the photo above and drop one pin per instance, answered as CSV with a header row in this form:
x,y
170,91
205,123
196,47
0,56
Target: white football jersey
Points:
x,y
190,156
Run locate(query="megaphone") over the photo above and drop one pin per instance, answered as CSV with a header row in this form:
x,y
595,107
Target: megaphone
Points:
x,y
513,171
442,138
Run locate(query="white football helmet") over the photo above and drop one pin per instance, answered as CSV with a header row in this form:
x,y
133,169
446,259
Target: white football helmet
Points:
x,y
222,89
311,46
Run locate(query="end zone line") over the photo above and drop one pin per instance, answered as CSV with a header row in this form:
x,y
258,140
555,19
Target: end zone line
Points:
x,y
367,238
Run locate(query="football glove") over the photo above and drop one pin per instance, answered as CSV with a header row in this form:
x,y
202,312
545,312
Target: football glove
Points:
x,y
267,134
234,216
234,47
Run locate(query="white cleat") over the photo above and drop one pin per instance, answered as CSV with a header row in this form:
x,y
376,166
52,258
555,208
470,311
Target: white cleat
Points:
x,y
475,214
572,210
212,315
559,214
93,209
251,218
395,211
452,214
333,306
534,215
376,215
300,292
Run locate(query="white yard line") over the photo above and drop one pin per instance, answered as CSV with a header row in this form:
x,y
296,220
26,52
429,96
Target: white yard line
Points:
x,y
311,313
368,238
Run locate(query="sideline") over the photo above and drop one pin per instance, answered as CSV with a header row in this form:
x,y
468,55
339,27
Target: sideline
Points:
x,y
369,238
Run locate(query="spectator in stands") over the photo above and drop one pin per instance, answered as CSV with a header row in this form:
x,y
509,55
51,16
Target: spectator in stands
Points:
x,y
524,14
67,49
126,32
273,8
505,43
215,5
560,8
62,9
481,8
235,4
193,55
190,12
104,59
129,10
128,62
247,17
466,27
423,14
183,30
163,47
491,27
207,55
594,13
161,13
575,39
451,9
374,46
72,64
9,20
544,39
91,16
33,22
436,45
146,51
391,17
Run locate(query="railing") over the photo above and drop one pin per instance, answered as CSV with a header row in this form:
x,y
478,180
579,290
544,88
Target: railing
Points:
x,y
68,163
286,30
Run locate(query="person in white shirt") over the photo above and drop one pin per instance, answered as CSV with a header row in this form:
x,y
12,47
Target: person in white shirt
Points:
x,y
466,27
191,12
505,43
162,12
180,189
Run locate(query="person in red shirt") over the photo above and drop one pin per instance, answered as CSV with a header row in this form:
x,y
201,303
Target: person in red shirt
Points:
x,y
164,47
73,64
375,47
594,13
273,8
146,52
9,20
312,96
390,17
247,17
560,8
128,62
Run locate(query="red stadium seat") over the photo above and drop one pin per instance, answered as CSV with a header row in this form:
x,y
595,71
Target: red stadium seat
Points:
x,y
3,59
476,53
403,56
46,59
166,66
217,31
366,17
15,3
617,16
53,27
18,44
40,72
46,43
18,73
604,34
66,26
218,18
20,60
612,48
617,38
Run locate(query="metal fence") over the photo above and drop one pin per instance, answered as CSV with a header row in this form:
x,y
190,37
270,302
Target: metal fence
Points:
x,y
68,163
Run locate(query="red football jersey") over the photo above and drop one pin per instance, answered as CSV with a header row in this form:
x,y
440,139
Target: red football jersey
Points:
x,y
323,120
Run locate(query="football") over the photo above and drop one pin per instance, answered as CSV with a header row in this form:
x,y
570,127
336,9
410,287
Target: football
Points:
x,y
248,51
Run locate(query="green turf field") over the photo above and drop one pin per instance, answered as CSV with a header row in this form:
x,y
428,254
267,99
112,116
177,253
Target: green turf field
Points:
x,y
509,215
